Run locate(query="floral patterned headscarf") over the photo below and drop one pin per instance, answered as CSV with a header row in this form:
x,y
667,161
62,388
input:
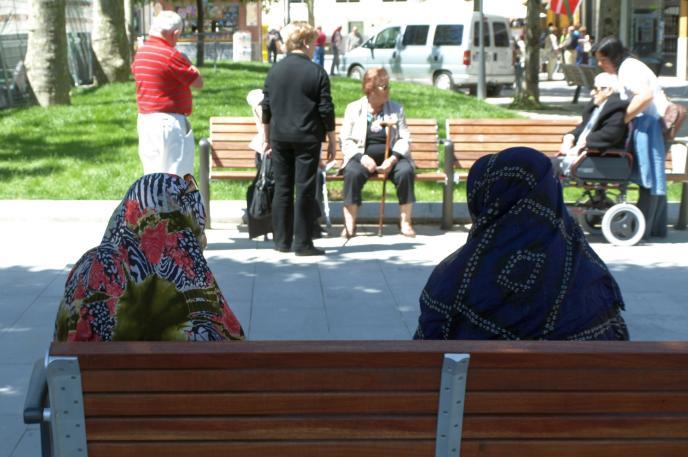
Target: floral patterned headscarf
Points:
x,y
148,279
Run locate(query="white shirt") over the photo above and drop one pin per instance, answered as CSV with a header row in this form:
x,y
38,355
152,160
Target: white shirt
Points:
x,y
635,76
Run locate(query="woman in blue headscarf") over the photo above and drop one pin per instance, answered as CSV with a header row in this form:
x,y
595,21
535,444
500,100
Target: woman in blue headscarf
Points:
x,y
526,270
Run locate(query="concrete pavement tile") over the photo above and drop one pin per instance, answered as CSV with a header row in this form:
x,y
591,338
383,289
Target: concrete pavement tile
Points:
x,y
11,430
371,331
14,380
24,344
29,444
288,324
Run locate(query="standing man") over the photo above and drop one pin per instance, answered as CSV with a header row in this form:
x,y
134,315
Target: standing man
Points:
x,y
319,55
164,77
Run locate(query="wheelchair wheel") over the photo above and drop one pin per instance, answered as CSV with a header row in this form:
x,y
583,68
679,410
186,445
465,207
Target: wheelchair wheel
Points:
x,y
623,225
590,219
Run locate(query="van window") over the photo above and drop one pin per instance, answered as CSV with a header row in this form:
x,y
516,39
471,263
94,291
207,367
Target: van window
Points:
x,y
476,33
387,39
416,35
501,36
448,35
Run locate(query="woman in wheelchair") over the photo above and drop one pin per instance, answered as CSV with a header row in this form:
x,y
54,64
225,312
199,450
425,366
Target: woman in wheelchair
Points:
x,y
602,128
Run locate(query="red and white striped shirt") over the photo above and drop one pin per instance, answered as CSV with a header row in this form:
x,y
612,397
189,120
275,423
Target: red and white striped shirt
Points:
x,y
163,78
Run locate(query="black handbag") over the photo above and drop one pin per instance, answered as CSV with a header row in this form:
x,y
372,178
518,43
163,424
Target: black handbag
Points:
x,y
259,200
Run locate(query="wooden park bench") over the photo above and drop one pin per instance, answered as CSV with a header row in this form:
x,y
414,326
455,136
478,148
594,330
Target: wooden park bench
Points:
x,y
362,398
580,76
227,156
470,139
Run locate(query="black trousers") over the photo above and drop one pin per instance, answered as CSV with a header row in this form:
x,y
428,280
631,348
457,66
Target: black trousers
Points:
x,y
654,208
294,167
356,175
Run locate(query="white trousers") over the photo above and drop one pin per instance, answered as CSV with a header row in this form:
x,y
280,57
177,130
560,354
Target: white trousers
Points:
x,y
166,143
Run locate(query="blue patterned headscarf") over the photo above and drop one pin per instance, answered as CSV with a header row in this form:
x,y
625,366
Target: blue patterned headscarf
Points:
x,y
526,270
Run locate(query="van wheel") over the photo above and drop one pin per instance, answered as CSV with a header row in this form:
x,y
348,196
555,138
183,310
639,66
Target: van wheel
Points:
x,y
356,72
493,90
443,80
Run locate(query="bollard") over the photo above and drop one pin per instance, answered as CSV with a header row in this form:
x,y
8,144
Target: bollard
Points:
x,y
204,178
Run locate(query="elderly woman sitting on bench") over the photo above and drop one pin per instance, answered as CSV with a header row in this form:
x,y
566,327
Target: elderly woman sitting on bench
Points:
x,y
603,125
364,138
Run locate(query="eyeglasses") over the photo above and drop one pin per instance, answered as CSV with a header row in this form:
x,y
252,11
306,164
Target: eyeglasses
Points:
x,y
382,88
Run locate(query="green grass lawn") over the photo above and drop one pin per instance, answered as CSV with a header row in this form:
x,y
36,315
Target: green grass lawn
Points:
x,y
89,150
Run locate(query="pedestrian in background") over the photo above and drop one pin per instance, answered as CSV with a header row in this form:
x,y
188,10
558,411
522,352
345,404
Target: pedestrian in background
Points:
x,y
353,40
320,41
646,107
274,44
164,77
551,51
297,115
337,48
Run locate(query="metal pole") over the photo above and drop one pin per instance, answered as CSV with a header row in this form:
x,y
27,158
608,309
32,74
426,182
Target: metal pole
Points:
x,y
481,68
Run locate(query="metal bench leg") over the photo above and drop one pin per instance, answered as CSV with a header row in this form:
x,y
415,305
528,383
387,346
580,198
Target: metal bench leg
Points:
x,y
67,421
450,408
683,209
204,171
448,196
576,94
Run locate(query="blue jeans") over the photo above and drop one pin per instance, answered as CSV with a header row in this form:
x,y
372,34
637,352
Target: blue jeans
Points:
x,y
319,56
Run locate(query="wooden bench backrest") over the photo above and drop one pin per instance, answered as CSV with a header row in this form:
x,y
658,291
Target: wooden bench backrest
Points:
x,y
343,399
474,138
230,137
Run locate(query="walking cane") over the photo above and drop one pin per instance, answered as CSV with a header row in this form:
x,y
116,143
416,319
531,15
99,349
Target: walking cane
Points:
x,y
381,218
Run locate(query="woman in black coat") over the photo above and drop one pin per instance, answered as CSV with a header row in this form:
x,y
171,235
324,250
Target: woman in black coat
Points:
x,y
298,114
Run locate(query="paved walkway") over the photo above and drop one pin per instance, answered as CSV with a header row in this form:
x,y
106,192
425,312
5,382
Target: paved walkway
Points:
x,y
367,289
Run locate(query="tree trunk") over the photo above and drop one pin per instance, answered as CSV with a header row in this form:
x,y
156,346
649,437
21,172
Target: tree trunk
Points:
x,y
530,96
110,44
200,34
311,15
46,53
129,25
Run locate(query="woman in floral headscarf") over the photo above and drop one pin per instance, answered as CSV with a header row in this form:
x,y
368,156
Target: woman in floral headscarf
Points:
x,y
148,279
526,270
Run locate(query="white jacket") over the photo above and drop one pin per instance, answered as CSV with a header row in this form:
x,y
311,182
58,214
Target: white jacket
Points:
x,y
355,128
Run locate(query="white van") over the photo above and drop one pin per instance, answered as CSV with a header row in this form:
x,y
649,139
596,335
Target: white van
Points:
x,y
441,53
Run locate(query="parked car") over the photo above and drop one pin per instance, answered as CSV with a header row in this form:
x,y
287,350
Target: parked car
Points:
x,y
441,53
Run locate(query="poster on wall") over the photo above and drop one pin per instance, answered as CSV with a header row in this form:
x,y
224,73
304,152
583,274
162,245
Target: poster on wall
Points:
x,y
252,14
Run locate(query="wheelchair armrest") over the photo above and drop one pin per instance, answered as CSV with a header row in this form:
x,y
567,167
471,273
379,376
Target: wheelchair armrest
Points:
x,y
38,388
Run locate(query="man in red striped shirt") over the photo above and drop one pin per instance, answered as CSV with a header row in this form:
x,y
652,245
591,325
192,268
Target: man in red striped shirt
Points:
x,y
164,77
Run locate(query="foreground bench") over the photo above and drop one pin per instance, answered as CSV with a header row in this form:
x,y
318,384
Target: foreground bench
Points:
x,y
226,155
358,398
471,139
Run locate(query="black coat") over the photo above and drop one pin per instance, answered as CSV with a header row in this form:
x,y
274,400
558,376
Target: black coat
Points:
x,y
610,130
297,102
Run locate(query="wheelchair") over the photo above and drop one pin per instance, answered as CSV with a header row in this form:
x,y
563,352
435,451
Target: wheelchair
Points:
x,y
603,207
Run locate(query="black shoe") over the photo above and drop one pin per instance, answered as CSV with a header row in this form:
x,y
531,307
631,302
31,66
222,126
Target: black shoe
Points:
x,y
282,249
310,251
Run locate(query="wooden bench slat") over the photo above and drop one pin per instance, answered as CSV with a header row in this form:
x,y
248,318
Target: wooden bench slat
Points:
x,y
379,354
613,426
229,130
574,448
402,402
512,139
280,403
237,175
262,428
301,380
609,426
460,129
334,448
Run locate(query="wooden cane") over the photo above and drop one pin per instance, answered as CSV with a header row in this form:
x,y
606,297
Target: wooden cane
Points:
x,y
384,183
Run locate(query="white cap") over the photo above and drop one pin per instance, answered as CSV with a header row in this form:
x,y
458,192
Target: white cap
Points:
x,y
604,79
